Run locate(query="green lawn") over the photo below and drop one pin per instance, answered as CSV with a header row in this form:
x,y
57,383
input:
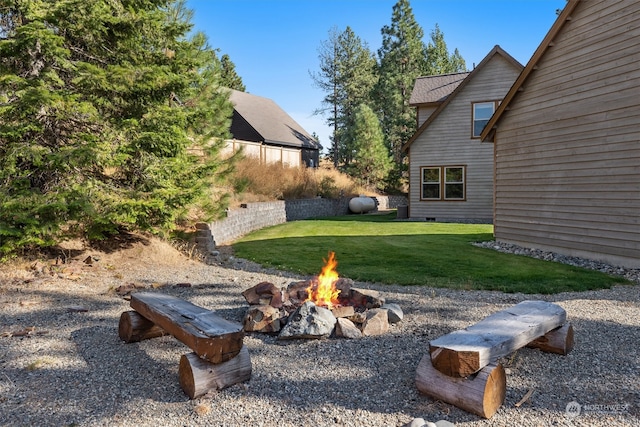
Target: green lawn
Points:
x,y
374,248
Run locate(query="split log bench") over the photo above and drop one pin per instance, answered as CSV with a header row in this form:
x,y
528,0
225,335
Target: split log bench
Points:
x,y
461,367
219,358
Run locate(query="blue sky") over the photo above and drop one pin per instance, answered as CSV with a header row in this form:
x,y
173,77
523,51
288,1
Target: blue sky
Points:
x,y
274,43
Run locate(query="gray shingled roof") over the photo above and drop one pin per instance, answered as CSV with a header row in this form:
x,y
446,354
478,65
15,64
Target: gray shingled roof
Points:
x,y
428,89
270,121
447,84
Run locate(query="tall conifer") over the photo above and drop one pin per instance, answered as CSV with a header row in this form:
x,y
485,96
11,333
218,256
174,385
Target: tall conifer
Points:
x,y
111,118
439,61
401,60
371,161
229,77
347,76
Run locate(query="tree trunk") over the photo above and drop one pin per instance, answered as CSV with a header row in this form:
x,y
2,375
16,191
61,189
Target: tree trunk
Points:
x,y
133,327
559,341
481,394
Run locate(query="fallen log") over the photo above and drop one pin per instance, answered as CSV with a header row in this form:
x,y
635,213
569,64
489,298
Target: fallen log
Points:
x,y
133,327
481,394
465,352
207,334
198,376
559,340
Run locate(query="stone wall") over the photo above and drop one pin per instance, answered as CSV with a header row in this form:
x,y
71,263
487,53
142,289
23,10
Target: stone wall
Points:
x,y
247,218
390,202
254,216
316,208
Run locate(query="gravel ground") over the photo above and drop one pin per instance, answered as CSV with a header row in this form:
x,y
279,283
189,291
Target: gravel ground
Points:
x,y
73,370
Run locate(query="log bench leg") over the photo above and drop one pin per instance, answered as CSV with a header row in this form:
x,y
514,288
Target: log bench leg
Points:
x,y
481,394
133,327
199,376
559,340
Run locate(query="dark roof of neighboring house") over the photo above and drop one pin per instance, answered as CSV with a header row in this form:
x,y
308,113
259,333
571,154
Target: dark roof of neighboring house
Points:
x,y
489,130
261,120
497,50
430,89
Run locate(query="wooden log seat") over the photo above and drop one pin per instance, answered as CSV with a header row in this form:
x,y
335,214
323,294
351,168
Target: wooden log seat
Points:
x,y
465,352
461,367
207,334
219,358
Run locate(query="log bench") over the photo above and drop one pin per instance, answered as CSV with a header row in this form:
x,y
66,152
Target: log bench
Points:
x,y
461,367
219,358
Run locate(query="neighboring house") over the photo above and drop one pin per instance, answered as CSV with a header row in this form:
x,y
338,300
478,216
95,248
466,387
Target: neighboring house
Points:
x,y
450,169
266,132
567,138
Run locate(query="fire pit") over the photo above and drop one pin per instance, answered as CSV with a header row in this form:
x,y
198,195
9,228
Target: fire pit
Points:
x,y
323,306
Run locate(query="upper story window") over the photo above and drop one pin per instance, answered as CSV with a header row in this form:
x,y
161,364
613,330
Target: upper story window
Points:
x,y
482,112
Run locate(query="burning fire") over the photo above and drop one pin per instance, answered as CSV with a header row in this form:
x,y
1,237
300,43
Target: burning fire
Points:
x,y
324,292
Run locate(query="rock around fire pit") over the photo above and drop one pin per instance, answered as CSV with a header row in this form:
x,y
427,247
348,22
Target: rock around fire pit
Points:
x,y
300,312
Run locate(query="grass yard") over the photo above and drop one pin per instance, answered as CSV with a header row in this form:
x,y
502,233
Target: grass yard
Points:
x,y
375,248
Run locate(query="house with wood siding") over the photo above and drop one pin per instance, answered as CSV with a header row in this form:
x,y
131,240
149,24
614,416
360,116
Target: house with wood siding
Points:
x,y
566,138
450,169
265,131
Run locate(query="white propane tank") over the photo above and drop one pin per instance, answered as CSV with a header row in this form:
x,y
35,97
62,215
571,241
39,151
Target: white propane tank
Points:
x,y
362,204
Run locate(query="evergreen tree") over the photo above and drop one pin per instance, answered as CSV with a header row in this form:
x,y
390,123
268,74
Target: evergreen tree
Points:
x,y
347,75
229,77
328,80
401,60
110,119
357,67
438,59
372,163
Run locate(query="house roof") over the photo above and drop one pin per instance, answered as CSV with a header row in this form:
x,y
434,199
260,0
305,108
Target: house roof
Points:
x,y
489,130
497,50
264,121
430,89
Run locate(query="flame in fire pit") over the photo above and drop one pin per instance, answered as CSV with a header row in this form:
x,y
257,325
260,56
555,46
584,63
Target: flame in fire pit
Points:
x,y
324,293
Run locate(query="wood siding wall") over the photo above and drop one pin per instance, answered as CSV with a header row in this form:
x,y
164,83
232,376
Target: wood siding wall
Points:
x,y
447,142
265,153
568,148
424,113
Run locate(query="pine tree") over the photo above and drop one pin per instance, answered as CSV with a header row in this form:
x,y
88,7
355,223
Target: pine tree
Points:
x,y
328,80
372,163
229,77
438,59
103,107
357,67
401,59
347,75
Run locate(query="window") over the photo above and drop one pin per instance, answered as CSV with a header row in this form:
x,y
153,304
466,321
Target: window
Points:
x,y
453,183
482,112
443,183
431,183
